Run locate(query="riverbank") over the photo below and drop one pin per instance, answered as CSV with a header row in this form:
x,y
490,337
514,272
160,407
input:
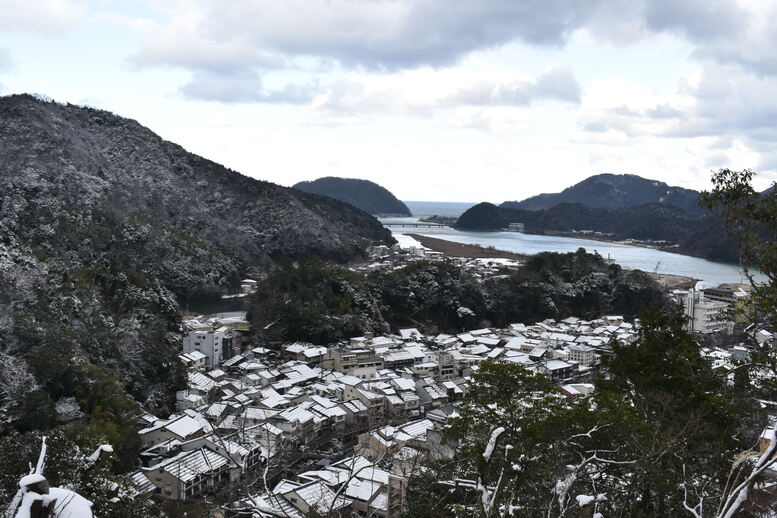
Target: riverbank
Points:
x,y
605,239
646,259
673,282
453,249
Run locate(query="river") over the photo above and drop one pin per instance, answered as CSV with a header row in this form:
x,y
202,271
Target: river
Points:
x,y
633,257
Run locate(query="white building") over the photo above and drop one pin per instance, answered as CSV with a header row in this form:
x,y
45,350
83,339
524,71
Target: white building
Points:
x,y
711,317
210,343
582,354
704,315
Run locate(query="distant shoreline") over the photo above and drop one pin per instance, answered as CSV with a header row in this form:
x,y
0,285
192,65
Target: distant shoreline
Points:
x,y
453,249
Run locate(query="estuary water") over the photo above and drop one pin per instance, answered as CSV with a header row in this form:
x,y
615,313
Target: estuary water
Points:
x,y
632,257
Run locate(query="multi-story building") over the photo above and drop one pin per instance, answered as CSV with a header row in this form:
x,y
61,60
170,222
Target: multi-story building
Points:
x,y
216,344
362,363
705,315
582,354
190,474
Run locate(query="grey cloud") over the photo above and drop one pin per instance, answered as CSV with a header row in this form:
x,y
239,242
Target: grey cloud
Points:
x,y
724,34
664,111
728,100
595,127
352,102
557,84
244,88
349,102
398,34
727,104
223,57
625,111
698,19
375,34
256,36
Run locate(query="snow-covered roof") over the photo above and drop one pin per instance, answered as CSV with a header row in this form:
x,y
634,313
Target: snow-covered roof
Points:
x,y
188,465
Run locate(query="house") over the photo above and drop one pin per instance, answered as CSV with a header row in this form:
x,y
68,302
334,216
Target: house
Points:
x,y
248,285
410,333
311,497
557,370
182,428
389,439
361,363
191,474
193,361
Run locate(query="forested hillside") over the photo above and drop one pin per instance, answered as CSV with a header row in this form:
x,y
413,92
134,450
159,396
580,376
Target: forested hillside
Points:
x,y
322,304
612,191
103,226
701,235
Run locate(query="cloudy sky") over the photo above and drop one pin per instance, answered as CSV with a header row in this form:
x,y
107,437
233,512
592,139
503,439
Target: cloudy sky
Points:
x,y
455,100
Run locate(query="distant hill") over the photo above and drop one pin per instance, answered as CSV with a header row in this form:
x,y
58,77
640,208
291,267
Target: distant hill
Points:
x,y
613,191
696,234
364,194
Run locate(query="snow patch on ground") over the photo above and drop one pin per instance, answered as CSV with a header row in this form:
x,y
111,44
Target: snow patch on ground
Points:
x,y
406,241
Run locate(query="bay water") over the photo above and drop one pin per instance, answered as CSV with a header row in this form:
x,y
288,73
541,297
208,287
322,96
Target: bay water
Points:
x,y
633,257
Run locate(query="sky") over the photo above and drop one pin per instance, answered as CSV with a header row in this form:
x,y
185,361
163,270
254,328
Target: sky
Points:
x,y
447,100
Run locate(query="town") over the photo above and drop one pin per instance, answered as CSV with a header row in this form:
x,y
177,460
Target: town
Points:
x,y
343,427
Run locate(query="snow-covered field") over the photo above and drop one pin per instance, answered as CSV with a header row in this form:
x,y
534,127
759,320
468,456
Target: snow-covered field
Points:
x,y
406,241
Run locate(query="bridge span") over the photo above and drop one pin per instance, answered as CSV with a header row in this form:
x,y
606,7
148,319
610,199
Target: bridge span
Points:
x,y
413,225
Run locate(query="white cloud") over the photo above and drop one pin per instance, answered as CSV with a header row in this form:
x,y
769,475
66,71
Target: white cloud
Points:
x,y
39,15
6,63
425,92
141,25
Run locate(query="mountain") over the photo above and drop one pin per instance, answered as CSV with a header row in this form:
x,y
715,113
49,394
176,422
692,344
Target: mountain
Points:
x,y
368,196
103,227
696,234
612,191
68,170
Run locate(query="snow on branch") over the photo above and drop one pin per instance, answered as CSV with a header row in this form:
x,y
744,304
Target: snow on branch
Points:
x,y
492,443
741,493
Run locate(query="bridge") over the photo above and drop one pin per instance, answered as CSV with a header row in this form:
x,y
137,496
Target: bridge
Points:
x,y
413,225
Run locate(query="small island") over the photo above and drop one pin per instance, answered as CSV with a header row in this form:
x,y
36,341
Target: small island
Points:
x,y
363,194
